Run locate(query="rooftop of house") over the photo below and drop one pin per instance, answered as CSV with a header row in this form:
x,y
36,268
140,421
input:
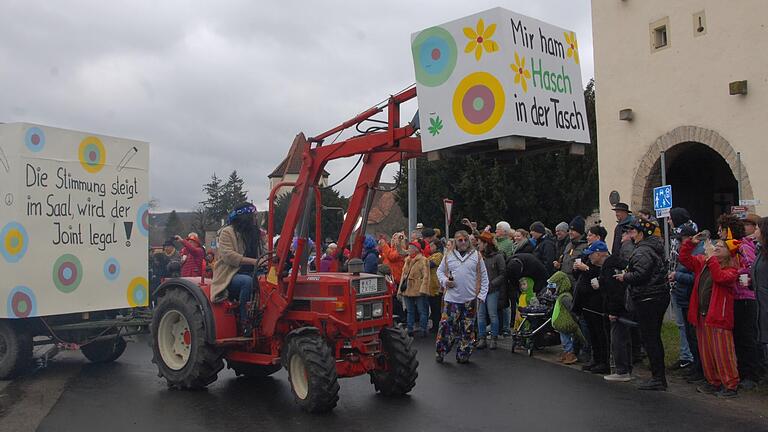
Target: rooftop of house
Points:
x,y
292,162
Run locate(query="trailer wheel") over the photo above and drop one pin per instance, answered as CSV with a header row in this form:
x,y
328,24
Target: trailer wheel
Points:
x,y
252,370
15,350
399,376
104,351
180,351
312,372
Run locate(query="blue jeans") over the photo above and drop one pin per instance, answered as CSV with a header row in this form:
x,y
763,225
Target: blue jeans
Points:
x,y
491,307
413,305
685,349
241,288
567,341
506,318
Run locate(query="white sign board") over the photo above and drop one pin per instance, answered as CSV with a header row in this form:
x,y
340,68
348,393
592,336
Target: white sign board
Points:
x,y
74,221
496,74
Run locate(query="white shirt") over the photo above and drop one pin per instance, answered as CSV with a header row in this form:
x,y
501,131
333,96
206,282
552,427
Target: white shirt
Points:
x,y
464,271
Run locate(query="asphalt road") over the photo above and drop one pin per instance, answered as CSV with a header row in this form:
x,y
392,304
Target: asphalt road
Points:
x,y
497,391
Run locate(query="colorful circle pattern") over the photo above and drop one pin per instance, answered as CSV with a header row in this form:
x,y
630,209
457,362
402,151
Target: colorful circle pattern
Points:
x,y
34,139
21,303
67,273
478,103
142,219
434,56
92,154
112,269
14,242
138,292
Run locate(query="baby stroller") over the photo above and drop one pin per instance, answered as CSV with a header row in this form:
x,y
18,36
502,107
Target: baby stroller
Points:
x,y
535,329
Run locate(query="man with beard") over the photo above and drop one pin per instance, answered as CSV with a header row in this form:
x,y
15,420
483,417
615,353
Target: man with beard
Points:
x,y
463,275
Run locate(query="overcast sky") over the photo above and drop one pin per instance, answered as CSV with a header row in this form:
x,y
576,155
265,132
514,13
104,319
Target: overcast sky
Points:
x,y
220,85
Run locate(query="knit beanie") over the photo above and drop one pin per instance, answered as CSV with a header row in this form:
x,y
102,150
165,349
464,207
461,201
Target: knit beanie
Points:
x,y
562,226
577,224
679,216
538,227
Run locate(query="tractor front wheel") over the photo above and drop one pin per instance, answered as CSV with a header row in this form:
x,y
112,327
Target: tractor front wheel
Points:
x,y
312,372
399,376
179,348
104,351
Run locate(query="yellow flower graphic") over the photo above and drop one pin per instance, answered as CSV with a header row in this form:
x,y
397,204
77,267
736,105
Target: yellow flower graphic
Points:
x,y
573,46
480,39
521,73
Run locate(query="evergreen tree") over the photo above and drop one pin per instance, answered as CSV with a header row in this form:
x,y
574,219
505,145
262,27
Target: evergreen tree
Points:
x,y
173,225
331,219
214,201
233,193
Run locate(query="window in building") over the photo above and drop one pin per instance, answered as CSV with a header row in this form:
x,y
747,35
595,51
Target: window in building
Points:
x,y
699,24
659,34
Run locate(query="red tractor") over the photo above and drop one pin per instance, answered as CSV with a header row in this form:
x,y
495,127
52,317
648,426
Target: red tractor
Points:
x,y
319,326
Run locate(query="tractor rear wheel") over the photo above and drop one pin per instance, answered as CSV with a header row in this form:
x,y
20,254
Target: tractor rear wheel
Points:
x,y
179,348
311,369
249,370
399,376
104,351
15,350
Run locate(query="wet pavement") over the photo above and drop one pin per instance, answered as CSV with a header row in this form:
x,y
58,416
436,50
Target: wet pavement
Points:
x,y
497,391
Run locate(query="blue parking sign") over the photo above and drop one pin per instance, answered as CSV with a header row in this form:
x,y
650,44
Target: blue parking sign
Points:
x,y
662,198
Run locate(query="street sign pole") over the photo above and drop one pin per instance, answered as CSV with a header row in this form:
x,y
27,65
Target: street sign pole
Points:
x,y
664,220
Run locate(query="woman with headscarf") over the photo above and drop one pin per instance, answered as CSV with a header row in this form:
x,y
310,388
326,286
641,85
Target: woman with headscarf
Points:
x,y
239,248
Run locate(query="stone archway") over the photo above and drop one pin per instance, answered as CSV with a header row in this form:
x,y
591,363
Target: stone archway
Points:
x,y
648,175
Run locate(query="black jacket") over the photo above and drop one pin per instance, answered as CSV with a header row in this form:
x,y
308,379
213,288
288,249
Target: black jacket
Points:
x,y
546,252
522,265
613,290
617,234
647,271
584,295
526,247
496,266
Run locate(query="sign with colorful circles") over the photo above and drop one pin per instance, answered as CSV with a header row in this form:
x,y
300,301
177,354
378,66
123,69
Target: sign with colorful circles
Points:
x,y
92,154
497,74
478,103
67,273
111,269
14,242
34,139
142,219
434,56
138,292
21,303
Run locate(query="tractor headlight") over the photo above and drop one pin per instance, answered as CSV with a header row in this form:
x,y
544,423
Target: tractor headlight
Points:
x,y
377,310
359,312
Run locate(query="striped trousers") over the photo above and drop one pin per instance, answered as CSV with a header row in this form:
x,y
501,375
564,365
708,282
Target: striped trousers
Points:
x,y
718,355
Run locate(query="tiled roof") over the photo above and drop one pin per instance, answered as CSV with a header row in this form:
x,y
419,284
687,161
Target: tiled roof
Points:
x,y
292,163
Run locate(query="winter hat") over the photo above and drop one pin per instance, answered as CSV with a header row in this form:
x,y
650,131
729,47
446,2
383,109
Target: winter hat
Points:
x,y
486,237
645,227
428,232
562,226
679,216
562,282
538,227
577,224
416,245
369,243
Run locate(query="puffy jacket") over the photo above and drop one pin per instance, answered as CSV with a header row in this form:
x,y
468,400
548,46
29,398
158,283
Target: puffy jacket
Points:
x,y
416,269
647,272
724,279
496,266
371,261
193,265
394,260
546,252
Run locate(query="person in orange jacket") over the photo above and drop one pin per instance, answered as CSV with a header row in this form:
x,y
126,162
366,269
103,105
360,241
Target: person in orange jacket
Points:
x,y
393,254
